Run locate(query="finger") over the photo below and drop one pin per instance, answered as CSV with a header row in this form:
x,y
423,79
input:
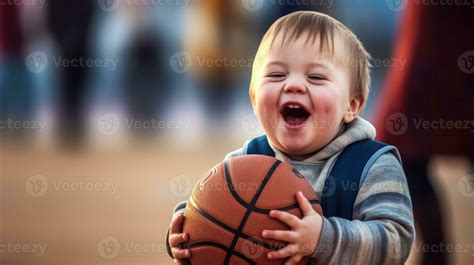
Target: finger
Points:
x,y
179,253
289,219
177,262
294,260
282,235
177,225
305,205
287,251
176,239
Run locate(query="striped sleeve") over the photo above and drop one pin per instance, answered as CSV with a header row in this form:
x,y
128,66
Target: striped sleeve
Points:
x,y
382,230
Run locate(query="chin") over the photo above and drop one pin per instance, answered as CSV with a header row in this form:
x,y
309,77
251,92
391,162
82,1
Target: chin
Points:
x,y
295,147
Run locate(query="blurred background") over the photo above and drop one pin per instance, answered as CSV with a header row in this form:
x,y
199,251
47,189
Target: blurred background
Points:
x,y
111,110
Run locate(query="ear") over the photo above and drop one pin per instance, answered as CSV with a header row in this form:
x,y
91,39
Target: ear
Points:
x,y
354,108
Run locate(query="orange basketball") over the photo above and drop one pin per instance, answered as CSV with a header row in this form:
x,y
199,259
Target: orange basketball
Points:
x,y
229,206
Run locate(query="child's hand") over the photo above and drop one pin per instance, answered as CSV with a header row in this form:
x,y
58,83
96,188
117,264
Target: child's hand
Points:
x,y
304,235
176,238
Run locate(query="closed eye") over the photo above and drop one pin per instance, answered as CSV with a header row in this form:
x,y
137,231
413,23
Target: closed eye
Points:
x,y
317,77
277,75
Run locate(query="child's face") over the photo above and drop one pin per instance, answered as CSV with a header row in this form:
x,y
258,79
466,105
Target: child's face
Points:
x,y
303,96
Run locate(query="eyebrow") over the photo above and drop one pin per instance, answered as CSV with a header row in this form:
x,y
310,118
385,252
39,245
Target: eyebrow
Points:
x,y
314,64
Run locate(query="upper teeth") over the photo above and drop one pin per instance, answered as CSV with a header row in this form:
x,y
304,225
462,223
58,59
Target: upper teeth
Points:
x,y
293,106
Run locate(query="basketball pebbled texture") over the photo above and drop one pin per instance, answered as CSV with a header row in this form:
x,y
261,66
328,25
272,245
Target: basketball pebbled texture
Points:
x,y
228,210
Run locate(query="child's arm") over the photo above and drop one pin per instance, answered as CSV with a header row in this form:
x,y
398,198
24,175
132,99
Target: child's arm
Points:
x,y
382,231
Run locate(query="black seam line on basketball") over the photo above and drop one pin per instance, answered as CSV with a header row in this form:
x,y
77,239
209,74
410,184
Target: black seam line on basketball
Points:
x,y
217,245
286,208
245,204
228,228
251,208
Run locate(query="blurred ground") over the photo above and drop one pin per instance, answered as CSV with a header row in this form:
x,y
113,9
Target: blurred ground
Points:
x,y
79,216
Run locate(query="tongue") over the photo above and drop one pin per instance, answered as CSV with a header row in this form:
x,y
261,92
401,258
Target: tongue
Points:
x,y
294,120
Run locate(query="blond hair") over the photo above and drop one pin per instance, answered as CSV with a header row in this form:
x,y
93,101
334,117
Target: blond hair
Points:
x,y
323,28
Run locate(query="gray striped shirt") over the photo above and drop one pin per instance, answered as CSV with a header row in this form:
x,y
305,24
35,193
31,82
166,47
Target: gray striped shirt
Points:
x,y
382,230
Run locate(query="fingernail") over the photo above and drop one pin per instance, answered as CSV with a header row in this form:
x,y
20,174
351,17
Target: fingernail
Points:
x,y
269,255
264,233
185,237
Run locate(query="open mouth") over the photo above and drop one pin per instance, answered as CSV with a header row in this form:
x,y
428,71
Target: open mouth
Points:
x,y
294,114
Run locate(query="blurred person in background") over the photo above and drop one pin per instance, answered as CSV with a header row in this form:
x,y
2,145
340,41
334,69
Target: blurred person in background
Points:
x,y
16,93
68,23
434,85
212,44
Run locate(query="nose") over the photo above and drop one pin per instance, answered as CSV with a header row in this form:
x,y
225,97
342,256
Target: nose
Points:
x,y
295,85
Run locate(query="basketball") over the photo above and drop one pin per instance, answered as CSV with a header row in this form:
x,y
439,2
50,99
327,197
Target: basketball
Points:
x,y
229,208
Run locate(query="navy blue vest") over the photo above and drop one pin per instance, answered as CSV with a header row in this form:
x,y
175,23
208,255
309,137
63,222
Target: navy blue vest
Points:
x,y
349,171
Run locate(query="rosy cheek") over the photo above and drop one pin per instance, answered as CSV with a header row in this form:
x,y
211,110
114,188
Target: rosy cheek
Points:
x,y
266,99
325,104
